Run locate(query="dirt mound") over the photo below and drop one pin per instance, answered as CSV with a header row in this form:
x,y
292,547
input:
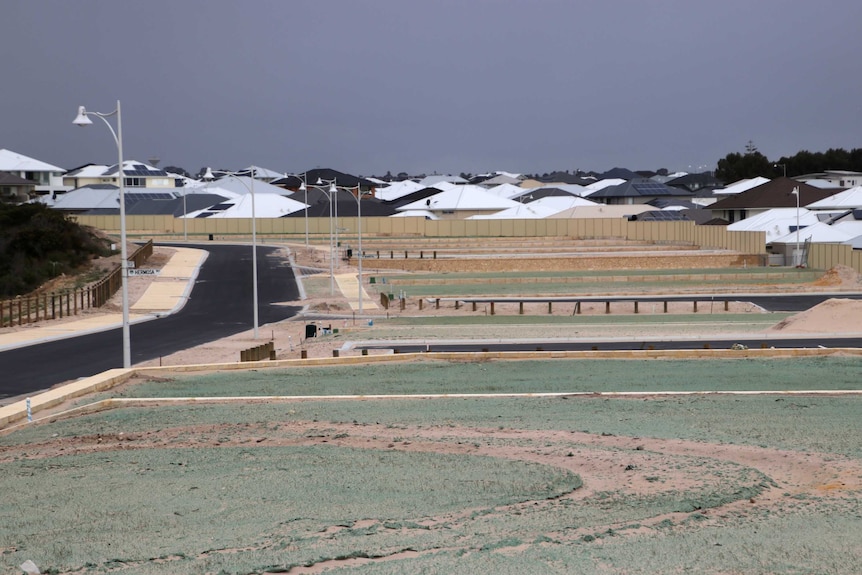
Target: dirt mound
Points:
x,y
840,275
832,316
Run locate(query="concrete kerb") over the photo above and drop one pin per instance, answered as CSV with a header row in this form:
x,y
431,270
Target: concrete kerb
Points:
x,y
16,412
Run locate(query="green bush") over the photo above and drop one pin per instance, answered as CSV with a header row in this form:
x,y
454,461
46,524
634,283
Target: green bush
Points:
x,y
38,243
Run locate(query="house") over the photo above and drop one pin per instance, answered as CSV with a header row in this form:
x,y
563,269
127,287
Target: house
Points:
x,y
48,178
622,174
777,193
460,202
637,191
135,175
15,189
836,178
776,222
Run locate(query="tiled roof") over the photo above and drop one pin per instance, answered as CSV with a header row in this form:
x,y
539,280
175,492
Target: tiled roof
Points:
x,y
773,194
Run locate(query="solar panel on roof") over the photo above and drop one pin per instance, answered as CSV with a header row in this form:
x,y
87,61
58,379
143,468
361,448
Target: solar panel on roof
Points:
x,y
221,207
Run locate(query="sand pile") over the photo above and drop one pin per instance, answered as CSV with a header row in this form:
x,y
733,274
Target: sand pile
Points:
x,y
840,275
832,316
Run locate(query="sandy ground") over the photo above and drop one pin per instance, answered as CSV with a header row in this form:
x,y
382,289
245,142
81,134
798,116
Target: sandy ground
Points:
x,y
599,459
834,316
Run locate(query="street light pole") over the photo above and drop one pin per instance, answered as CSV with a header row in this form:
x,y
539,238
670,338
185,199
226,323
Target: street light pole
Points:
x,y
332,190
797,256
83,119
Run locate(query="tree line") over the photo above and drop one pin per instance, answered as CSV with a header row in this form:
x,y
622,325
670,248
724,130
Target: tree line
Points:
x,y
752,163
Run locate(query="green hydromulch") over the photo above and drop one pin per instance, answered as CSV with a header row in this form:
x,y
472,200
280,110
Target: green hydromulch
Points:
x,y
534,376
253,508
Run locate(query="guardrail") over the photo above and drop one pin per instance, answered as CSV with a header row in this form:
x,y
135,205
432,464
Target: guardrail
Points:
x,y
56,305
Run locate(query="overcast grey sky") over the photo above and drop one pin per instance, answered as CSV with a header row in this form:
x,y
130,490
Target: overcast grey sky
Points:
x,y
425,86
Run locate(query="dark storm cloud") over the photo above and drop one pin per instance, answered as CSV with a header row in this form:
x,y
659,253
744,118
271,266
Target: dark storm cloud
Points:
x,y
443,86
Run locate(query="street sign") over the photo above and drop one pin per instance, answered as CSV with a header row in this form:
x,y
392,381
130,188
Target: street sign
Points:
x,y
148,272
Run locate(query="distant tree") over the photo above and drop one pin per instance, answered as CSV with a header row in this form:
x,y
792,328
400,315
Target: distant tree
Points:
x,y
751,164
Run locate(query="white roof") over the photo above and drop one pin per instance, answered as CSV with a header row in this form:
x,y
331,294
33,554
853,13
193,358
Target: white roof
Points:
x,y
775,222
604,211
741,186
264,173
520,212
464,197
559,203
432,181
822,184
501,179
600,185
416,213
243,185
266,205
818,233
846,200
852,227
91,171
397,190
506,190
14,162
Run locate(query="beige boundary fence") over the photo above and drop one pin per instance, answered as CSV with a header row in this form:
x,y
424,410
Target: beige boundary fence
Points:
x,y
715,237
821,256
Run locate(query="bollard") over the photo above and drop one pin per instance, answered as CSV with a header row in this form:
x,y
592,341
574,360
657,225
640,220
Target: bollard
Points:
x,y
492,308
607,307
665,307
636,306
421,255
457,304
474,306
551,308
695,306
437,303
421,303
521,308
726,305
435,254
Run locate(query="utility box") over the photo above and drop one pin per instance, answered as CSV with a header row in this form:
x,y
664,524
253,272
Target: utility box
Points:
x,y
310,330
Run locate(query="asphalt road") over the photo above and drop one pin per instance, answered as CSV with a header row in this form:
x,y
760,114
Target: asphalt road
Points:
x,y
619,344
220,306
